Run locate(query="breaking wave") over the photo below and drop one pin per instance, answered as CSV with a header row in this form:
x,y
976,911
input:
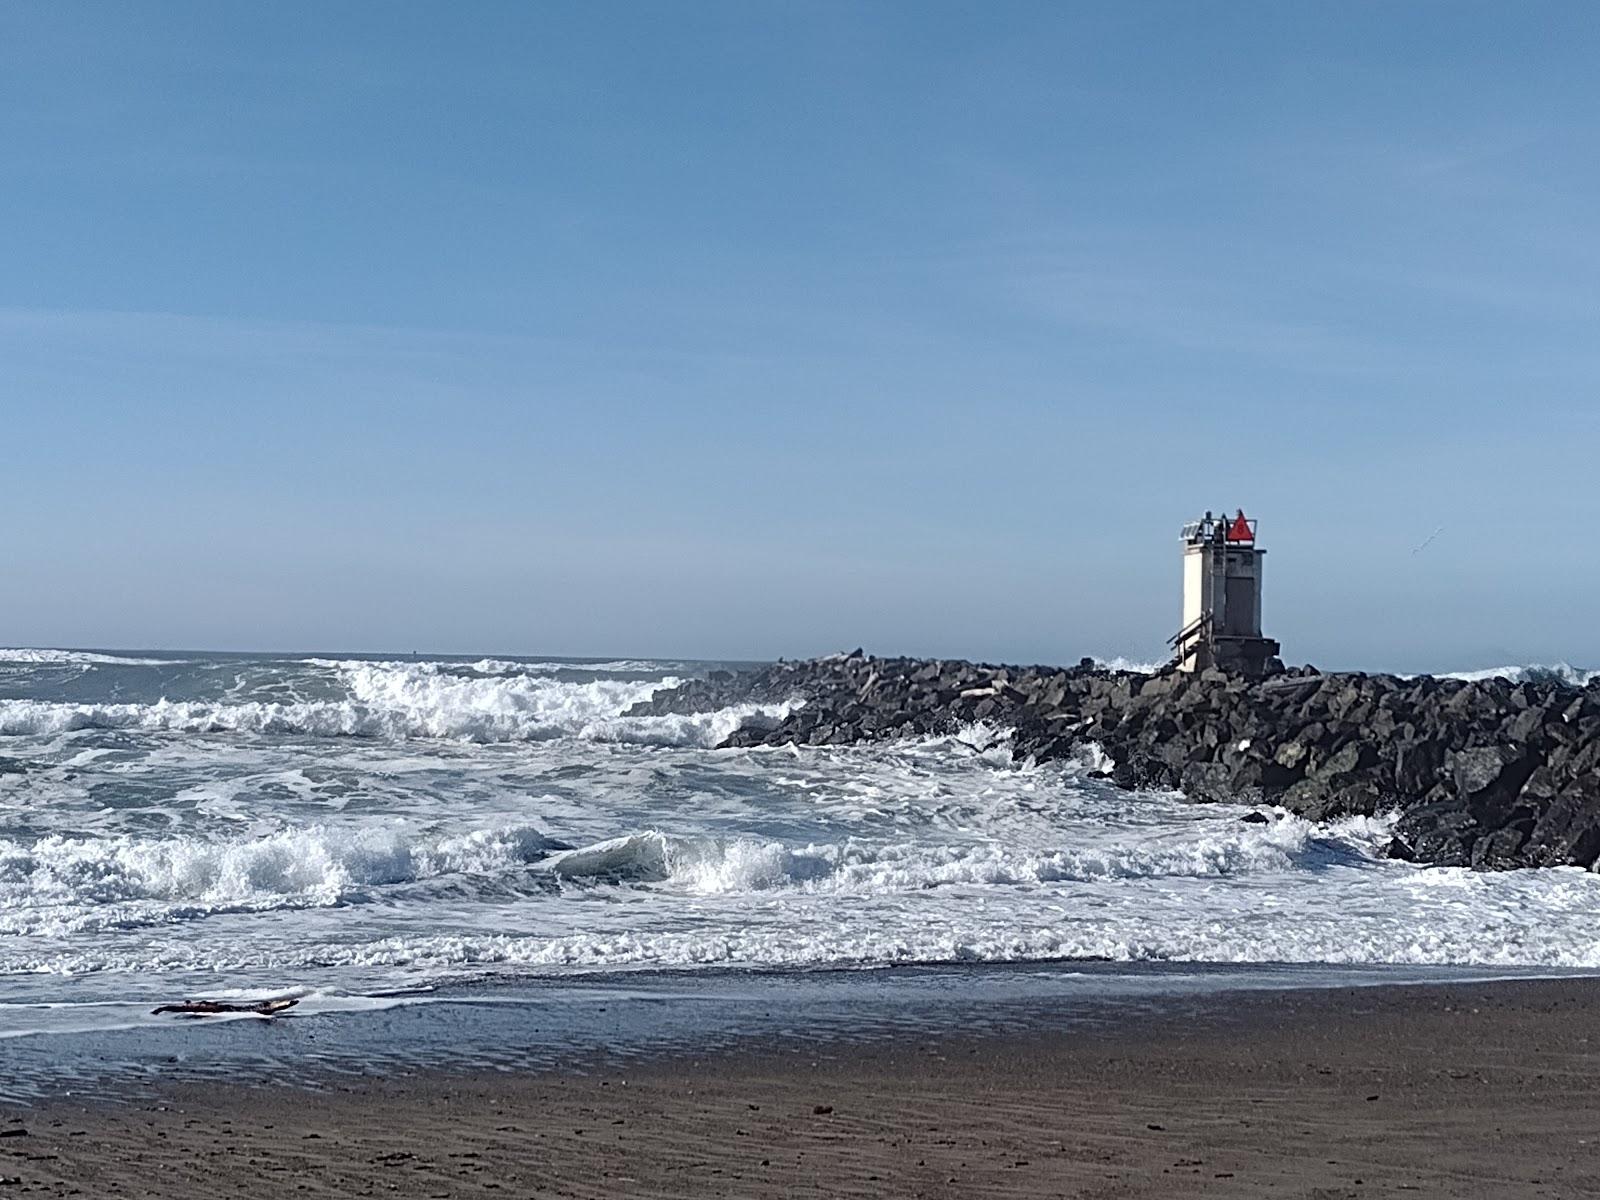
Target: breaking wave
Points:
x,y
85,658
712,865
1135,666
62,884
748,900
319,866
1561,672
399,701
494,666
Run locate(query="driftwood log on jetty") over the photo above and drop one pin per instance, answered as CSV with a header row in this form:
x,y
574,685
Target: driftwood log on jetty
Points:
x,y
1489,773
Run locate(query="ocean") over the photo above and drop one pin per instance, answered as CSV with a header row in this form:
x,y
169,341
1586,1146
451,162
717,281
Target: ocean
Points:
x,y
363,832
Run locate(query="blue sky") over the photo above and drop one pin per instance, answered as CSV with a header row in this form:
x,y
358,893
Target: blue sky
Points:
x,y
758,329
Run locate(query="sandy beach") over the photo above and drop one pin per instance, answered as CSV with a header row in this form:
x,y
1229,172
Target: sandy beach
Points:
x,y
1457,1090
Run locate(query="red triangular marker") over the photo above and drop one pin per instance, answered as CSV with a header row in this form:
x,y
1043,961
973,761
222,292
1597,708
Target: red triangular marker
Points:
x,y
1240,530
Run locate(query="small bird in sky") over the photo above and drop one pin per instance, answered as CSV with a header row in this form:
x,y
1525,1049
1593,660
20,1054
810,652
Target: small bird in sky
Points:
x,y
1427,541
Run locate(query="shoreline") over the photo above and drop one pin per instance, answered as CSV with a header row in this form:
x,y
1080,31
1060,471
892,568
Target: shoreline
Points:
x,y
1449,1089
533,1023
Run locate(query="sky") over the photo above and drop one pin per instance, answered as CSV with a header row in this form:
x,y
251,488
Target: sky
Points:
x,y
755,329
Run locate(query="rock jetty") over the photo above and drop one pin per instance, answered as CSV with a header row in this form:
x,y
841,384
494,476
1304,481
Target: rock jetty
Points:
x,y
1492,774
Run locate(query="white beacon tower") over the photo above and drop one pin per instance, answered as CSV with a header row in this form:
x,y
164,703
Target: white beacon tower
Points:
x,y
1222,598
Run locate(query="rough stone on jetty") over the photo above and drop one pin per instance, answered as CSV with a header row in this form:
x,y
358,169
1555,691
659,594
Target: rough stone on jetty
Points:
x,y
1490,773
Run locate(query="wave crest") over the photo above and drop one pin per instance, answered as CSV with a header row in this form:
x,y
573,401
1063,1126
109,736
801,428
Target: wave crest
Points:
x,y
75,658
1564,673
68,884
414,700
743,864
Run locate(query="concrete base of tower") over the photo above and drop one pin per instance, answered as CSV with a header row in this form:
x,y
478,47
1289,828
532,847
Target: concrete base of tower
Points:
x,y
1251,657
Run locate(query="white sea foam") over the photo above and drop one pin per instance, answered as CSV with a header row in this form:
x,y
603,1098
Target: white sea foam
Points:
x,y
1211,889
1531,673
1136,666
1509,926
321,865
743,864
619,666
1412,916
40,1020
59,885
494,666
406,700
41,657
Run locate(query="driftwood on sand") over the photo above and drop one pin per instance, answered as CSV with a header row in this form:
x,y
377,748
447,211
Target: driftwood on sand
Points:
x,y
207,1008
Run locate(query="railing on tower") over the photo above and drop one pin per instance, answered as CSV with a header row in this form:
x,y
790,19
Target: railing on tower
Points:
x,y
1236,530
1187,640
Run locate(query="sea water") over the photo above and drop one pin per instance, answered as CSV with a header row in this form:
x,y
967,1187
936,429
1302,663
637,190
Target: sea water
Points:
x,y
358,831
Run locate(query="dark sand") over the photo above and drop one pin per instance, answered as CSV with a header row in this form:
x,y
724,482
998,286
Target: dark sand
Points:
x,y
1465,1090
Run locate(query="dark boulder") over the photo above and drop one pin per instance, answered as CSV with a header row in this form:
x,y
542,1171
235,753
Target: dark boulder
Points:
x,y
1439,833
1567,832
1489,778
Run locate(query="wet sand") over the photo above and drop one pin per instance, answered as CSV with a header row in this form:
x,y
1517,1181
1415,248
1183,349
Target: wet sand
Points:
x,y
1483,1090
